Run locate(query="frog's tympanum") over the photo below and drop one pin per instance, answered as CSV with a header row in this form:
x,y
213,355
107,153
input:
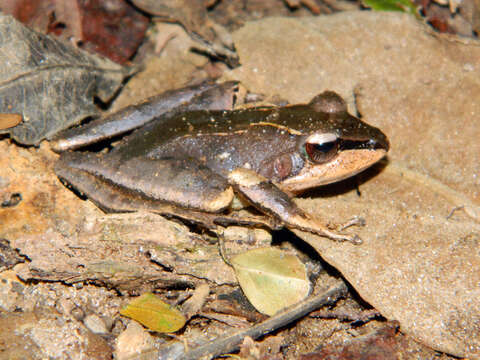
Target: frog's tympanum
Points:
x,y
193,164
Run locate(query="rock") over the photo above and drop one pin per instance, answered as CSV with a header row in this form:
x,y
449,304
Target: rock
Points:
x,y
95,324
419,261
135,340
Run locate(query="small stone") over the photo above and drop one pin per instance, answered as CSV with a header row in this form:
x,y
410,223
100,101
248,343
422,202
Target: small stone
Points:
x,y
133,341
95,324
11,291
77,313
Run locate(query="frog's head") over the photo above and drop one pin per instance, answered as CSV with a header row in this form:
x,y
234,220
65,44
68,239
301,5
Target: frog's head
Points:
x,y
333,145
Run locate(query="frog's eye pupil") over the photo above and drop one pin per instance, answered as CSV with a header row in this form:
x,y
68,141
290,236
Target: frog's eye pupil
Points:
x,y
322,148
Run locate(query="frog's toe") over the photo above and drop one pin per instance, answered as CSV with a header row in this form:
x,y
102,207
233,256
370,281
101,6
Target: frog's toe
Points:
x,y
355,221
354,239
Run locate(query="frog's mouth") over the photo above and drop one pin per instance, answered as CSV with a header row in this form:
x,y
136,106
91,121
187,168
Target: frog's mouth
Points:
x,y
347,163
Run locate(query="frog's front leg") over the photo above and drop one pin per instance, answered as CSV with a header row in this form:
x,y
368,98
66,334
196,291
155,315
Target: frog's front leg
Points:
x,y
204,96
268,198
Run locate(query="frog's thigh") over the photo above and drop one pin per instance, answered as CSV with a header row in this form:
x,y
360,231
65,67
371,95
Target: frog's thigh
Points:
x,y
183,182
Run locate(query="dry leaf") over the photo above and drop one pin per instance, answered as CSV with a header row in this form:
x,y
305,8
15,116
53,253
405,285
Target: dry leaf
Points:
x,y
50,83
271,279
9,120
112,28
194,18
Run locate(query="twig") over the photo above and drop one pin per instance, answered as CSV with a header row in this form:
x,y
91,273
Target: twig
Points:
x,y
222,249
231,343
456,208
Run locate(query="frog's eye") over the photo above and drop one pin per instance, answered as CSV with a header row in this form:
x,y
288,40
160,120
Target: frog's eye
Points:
x,y
321,148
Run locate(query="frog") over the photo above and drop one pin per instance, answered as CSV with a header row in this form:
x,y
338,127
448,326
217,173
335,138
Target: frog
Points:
x,y
202,165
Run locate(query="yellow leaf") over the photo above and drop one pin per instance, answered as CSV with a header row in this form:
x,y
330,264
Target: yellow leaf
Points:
x,y
154,314
271,279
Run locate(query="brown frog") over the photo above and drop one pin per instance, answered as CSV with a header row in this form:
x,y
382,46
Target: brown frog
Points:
x,y
194,163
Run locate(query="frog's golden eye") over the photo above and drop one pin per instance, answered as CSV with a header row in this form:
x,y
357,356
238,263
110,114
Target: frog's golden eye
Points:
x,y
321,148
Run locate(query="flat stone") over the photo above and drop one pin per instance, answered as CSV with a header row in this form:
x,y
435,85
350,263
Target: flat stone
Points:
x,y
95,324
420,258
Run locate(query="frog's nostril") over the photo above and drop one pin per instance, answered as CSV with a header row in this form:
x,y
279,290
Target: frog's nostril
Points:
x,y
382,143
379,142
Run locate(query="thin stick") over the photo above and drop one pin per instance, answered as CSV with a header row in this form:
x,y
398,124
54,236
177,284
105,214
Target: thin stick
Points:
x,y
231,343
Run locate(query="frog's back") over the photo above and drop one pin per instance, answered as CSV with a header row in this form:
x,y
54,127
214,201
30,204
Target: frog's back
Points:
x,y
167,129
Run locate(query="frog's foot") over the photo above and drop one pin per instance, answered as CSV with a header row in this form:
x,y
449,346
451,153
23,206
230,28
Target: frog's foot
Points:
x,y
304,221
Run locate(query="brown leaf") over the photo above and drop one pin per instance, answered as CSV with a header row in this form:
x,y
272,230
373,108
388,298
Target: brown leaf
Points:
x,y
36,14
193,16
382,344
194,304
50,83
112,28
9,120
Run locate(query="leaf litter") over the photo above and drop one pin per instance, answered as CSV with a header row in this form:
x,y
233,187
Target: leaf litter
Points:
x,y
50,83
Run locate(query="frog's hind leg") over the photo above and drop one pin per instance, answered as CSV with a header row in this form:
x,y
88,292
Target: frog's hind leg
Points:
x,y
96,177
180,182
